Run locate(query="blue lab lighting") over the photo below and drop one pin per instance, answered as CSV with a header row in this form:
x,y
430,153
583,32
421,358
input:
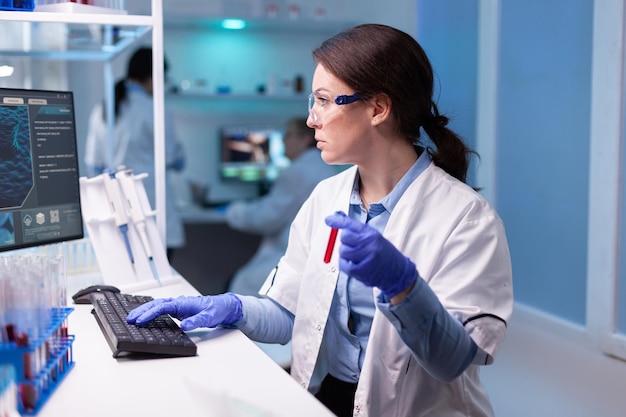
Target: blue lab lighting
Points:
x,y
233,24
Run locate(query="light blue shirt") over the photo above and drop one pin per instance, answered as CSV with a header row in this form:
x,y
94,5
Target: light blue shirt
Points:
x,y
352,297
266,321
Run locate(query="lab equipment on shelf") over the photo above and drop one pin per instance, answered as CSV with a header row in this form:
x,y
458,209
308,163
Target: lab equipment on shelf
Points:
x,y
84,6
161,337
18,5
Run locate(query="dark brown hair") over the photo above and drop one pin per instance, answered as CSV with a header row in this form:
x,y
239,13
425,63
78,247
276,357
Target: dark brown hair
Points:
x,y
374,59
139,69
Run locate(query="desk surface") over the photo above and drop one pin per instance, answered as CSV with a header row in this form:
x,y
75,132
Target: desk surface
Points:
x,y
230,376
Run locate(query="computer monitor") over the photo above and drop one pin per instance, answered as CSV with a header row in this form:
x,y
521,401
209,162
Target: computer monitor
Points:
x,y
251,153
39,188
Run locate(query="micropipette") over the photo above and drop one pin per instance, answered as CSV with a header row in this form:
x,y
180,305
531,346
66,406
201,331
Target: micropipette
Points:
x,y
117,208
127,183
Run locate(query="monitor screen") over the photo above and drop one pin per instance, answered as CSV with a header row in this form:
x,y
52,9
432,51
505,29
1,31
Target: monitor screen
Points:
x,y
252,154
39,190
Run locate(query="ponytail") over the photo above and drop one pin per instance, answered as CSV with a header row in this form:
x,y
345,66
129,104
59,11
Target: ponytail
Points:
x,y
120,95
451,153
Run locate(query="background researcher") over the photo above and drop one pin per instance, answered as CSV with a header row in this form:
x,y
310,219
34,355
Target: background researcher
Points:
x,y
134,139
271,215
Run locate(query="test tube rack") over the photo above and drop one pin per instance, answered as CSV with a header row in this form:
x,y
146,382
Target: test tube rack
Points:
x,y
42,364
18,6
8,391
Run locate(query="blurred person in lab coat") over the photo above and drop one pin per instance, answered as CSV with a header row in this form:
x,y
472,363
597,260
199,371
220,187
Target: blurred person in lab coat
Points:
x,y
134,140
398,318
271,215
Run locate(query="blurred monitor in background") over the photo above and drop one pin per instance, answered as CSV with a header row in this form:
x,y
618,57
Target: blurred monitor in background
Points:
x,y
271,215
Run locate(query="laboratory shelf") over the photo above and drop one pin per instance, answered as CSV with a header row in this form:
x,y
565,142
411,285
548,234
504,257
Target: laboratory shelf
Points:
x,y
93,33
79,18
85,50
228,105
267,24
237,96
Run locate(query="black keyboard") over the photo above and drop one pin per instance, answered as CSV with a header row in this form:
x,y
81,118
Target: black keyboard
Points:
x,y
162,336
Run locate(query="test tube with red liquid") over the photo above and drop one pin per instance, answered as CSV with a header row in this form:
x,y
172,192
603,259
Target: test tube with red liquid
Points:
x,y
331,245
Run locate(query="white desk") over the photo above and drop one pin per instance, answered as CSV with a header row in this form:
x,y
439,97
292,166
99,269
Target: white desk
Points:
x,y
230,376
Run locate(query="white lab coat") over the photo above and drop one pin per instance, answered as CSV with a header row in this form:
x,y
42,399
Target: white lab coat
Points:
x,y
458,244
134,149
271,216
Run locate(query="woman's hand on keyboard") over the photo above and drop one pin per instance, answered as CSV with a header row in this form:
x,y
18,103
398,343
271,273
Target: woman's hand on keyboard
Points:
x,y
200,311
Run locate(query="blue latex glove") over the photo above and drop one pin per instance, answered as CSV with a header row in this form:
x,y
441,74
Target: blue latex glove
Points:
x,y
200,311
367,256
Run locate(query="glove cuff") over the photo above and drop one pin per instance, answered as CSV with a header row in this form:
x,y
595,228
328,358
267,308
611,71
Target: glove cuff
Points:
x,y
233,304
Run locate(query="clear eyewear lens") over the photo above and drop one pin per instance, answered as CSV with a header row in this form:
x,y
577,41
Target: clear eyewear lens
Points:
x,y
311,104
339,100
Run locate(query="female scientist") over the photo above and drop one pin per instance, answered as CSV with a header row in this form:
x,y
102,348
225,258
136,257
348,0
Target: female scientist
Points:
x,y
431,247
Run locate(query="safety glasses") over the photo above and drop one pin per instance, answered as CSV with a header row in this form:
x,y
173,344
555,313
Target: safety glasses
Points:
x,y
319,105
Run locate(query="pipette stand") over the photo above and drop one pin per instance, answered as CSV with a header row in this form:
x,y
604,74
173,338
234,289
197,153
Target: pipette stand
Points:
x,y
109,244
